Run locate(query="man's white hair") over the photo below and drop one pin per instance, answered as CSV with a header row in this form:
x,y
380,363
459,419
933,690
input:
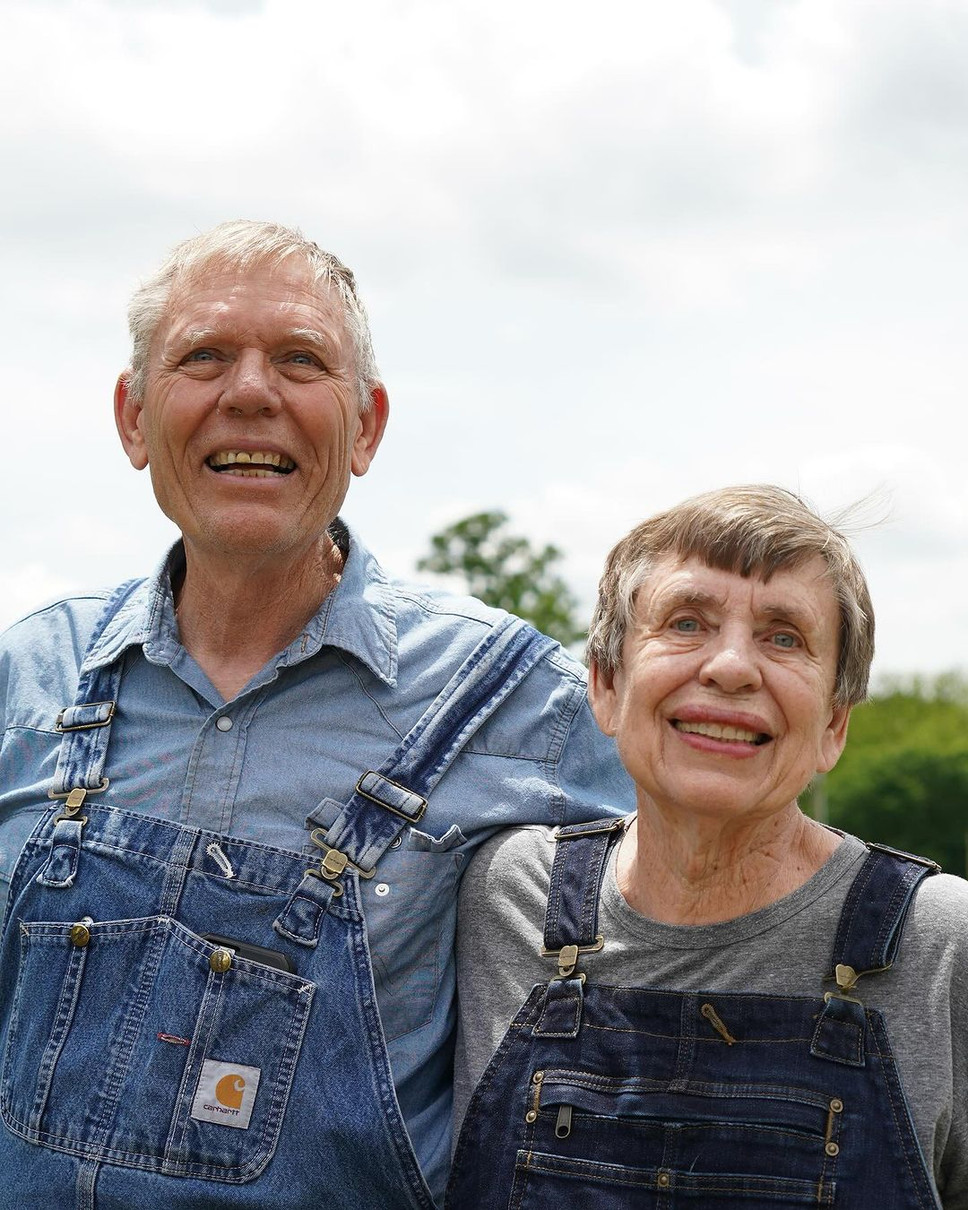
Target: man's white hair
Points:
x,y
237,245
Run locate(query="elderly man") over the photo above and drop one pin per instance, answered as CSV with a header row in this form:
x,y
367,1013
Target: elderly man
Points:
x,y
244,789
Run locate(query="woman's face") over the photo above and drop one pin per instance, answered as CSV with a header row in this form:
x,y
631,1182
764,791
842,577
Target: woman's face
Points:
x,y
723,702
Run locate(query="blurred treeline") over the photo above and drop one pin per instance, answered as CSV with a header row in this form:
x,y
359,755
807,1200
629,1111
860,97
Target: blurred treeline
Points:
x,y
903,777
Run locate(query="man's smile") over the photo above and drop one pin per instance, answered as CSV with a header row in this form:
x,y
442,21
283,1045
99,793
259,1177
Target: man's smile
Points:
x,y
250,463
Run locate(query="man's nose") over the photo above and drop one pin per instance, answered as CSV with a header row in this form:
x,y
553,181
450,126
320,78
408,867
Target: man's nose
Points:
x,y
732,662
250,388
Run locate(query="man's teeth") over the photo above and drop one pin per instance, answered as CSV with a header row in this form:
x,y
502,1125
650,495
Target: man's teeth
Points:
x,y
721,731
257,463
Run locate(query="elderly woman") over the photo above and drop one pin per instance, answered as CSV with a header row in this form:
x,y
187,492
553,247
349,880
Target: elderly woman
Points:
x,y
725,1003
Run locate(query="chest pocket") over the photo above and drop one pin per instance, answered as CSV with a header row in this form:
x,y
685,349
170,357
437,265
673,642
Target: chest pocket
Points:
x,y
629,1142
125,1045
411,906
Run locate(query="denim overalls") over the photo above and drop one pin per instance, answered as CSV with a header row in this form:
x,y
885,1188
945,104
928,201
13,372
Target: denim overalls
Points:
x,y
616,1097
188,1019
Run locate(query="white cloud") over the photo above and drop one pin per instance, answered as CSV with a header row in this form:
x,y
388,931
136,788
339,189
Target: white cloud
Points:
x,y
612,257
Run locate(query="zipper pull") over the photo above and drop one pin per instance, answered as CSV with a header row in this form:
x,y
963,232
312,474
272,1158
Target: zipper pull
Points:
x,y
716,1022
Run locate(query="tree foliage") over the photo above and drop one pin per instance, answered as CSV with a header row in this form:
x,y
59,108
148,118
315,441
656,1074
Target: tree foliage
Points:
x,y
505,570
903,777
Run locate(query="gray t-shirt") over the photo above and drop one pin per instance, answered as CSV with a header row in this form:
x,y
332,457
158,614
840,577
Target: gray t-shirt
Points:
x,y
782,949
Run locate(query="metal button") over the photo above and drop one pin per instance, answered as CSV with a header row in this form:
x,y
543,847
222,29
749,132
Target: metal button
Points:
x,y
396,842
664,1180
220,961
80,935
832,1149
382,889
837,1105
223,722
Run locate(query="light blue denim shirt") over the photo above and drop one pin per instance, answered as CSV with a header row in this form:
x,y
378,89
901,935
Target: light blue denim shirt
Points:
x,y
333,704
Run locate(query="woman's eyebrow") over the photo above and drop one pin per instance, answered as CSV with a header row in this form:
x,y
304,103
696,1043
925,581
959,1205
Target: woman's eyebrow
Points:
x,y
675,598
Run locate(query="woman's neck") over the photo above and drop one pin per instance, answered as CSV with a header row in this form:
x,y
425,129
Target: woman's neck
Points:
x,y
702,871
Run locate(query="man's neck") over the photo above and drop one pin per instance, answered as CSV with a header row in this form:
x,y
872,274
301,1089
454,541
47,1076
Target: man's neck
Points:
x,y
234,616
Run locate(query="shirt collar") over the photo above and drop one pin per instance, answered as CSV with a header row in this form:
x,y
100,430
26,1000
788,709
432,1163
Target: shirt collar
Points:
x,y
359,616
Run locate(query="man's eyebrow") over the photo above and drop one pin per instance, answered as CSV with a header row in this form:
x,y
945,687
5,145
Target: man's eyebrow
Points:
x,y
197,336
310,334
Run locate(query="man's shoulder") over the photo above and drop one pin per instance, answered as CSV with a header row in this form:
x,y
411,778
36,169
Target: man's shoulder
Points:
x,y
76,614
41,653
465,620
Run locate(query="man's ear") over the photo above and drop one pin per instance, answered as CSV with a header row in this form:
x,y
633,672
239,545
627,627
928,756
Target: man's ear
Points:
x,y
373,422
833,739
603,698
128,416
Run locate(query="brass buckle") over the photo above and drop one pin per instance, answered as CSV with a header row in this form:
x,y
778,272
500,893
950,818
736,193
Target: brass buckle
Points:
x,y
105,782
59,725
386,806
334,862
74,800
568,955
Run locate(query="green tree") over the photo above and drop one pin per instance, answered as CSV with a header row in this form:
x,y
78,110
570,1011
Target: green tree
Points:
x,y
505,570
903,777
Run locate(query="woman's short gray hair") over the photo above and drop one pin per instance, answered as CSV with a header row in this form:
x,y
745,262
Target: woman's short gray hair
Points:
x,y
237,245
751,530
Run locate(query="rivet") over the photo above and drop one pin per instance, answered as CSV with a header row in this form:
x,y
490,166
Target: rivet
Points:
x,y
220,960
531,1116
832,1149
663,1180
537,1077
396,842
80,935
837,1105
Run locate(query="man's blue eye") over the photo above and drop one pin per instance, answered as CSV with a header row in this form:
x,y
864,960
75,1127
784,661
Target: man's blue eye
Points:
x,y
200,355
686,625
785,640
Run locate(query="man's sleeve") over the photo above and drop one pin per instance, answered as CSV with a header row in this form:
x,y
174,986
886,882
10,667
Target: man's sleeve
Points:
x,y
590,776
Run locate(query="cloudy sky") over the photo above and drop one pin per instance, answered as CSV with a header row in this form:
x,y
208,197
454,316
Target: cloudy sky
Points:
x,y
613,255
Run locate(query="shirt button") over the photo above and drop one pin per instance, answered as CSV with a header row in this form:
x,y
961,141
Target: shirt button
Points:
x,y
224,723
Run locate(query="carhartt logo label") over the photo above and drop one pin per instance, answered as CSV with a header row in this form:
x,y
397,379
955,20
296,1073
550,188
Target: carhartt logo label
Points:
x,y
229,1091
226,1093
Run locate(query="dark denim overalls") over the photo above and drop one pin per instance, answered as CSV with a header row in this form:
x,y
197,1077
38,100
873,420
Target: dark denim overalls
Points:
x,y
147,1067
615,1097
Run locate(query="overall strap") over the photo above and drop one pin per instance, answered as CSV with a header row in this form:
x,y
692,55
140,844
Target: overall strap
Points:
x,y
874,912
866,943
571,919
86,728
86,725
387,799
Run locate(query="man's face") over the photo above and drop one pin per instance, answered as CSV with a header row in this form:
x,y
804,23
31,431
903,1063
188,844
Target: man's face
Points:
x,y
723,703
250,425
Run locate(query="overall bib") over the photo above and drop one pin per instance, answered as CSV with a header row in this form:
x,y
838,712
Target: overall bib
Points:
x,y
189,1019
620,1097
